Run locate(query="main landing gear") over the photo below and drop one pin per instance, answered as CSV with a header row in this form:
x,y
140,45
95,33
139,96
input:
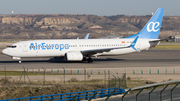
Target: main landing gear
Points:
x,y
84,59
89,60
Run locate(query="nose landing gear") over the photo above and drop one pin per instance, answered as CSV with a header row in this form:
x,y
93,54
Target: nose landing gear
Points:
x,y
19,61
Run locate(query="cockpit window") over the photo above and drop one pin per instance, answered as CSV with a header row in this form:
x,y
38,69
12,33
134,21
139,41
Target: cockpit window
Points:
x,y
11,46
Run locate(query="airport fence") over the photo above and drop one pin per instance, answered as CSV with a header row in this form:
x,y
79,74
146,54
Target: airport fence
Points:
x,y
104,77
152,87
45,77
74,96
52,77
103,72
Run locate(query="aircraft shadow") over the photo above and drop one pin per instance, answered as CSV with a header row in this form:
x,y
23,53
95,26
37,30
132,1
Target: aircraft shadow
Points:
x,y
52,60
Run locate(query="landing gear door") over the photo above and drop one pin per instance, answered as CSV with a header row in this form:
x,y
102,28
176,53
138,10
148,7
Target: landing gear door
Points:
x,y
25,47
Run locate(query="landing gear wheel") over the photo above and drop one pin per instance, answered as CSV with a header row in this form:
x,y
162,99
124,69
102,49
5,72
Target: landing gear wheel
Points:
x,y
19,61
84,59
90,60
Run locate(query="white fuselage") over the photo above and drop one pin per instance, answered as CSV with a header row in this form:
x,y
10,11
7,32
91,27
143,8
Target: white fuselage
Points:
x,y
58,48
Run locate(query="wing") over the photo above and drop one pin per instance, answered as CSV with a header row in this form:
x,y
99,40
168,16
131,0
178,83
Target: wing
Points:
x,y
95,51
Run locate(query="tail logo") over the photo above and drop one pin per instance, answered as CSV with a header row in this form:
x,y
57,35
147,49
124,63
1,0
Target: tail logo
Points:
x,y
153,26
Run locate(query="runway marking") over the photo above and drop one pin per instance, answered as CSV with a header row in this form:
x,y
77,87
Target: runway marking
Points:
x,y
88,66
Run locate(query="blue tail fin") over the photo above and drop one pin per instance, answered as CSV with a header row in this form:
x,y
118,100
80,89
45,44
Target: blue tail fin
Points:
x,y
152,28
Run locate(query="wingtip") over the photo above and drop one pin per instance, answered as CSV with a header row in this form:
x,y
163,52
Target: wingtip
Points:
x,y
134,43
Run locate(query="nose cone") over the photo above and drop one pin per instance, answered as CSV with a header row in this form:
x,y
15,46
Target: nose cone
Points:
x,y
5,51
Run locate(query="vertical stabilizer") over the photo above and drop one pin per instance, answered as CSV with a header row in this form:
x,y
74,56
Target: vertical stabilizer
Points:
x,y
152,28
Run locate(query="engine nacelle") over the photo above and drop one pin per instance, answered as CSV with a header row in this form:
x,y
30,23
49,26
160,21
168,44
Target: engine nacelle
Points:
x,y
73,56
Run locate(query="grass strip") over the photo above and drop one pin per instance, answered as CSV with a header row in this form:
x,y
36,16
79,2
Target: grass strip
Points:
x,y
167,47
19,73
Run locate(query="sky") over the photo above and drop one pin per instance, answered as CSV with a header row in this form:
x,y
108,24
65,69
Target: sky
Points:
x,y
94,7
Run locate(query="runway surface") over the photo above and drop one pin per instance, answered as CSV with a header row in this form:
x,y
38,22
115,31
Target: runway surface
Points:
x,y
147,58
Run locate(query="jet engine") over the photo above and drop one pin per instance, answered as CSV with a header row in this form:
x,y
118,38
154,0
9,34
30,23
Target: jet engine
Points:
x,y
73,56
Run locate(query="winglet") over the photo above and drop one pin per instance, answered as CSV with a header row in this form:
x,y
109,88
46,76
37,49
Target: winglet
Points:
x,y
134,43
87,36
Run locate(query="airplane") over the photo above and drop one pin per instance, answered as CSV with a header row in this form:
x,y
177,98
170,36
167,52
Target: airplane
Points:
x,y
84,50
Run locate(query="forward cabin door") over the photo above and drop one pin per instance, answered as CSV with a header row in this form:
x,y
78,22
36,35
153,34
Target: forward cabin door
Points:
x,y
25,47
